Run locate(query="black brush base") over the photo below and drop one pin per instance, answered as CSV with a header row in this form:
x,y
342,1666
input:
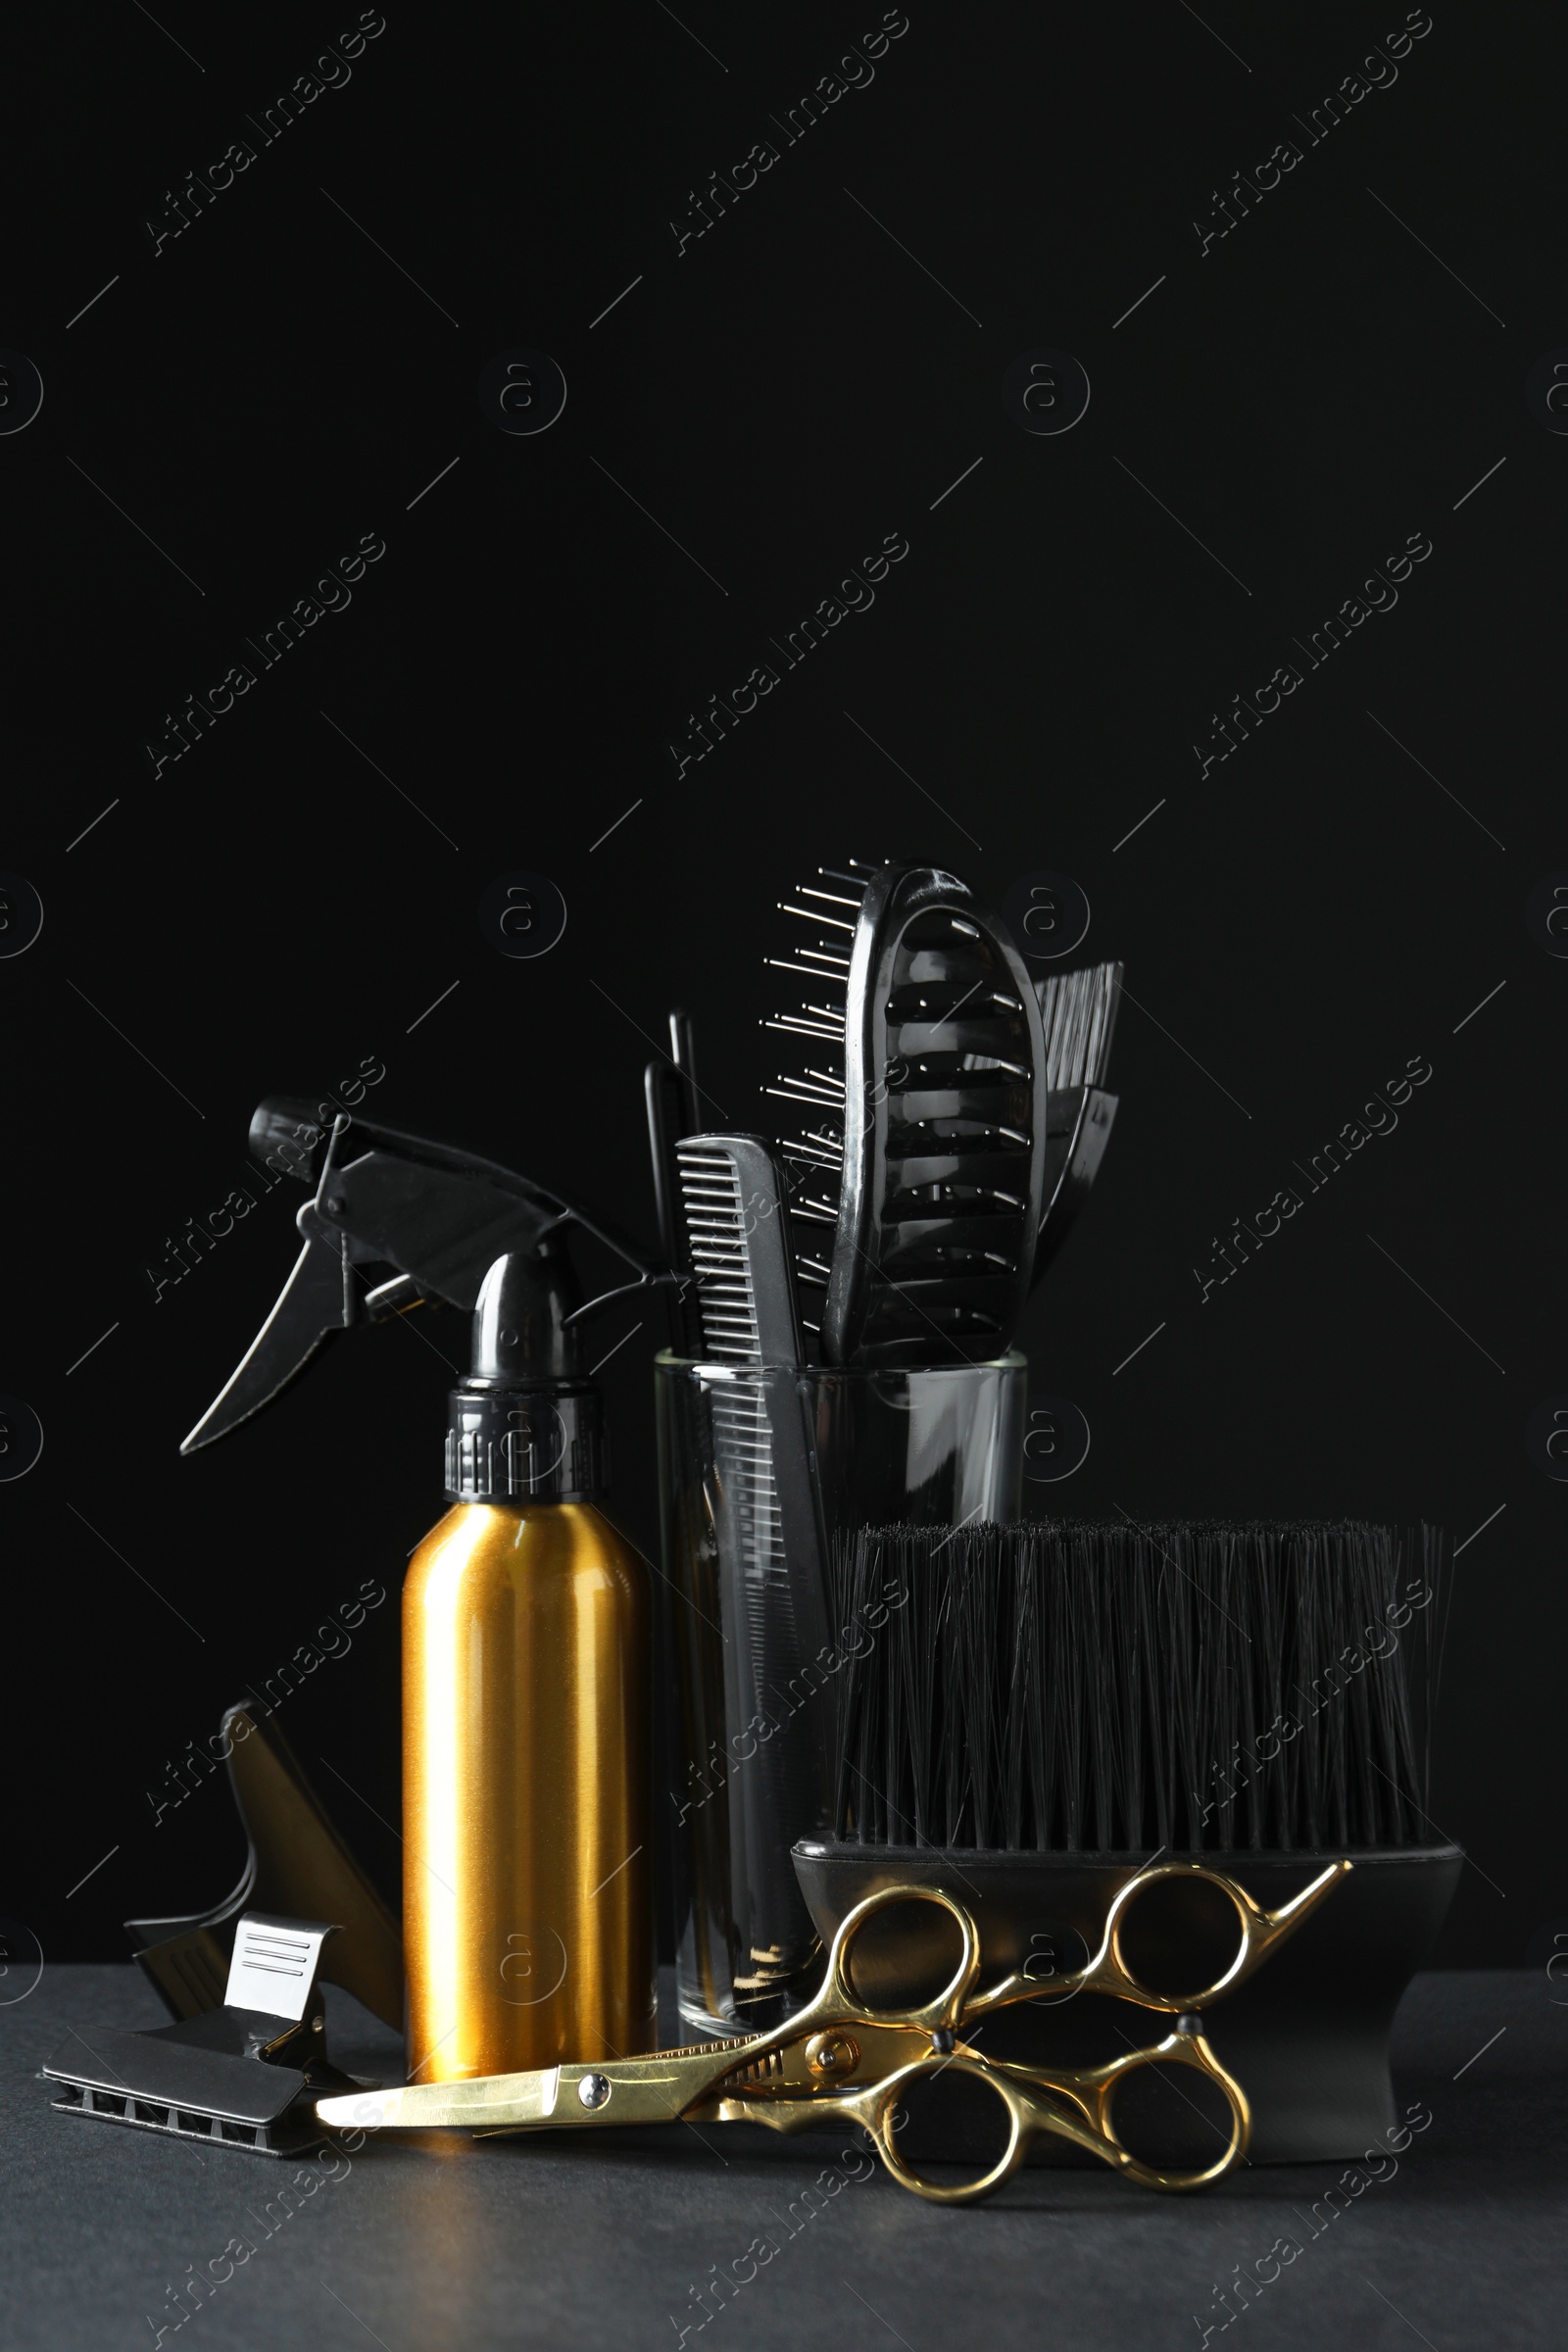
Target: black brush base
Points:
x,y
1308,2037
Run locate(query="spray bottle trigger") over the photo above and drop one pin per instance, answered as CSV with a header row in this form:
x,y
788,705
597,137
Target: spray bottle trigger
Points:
x,y
434,1223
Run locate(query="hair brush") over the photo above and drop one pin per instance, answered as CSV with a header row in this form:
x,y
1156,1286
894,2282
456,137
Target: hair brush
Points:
x,y
929,1152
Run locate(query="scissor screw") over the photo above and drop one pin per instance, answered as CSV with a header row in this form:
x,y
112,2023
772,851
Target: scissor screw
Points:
x,y
831,2054
593,2090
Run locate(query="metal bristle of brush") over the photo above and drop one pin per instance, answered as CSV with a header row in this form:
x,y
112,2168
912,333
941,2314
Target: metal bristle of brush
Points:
x,y
916,1192
1187,1688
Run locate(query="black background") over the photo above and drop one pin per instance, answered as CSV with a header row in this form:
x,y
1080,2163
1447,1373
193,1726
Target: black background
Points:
x,y
269,912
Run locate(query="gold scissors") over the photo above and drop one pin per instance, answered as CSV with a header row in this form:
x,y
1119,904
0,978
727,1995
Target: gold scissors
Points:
x,y
842,2059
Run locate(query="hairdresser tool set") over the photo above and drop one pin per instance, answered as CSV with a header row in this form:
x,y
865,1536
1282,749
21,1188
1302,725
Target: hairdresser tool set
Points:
x,y
1054,1816
954,1111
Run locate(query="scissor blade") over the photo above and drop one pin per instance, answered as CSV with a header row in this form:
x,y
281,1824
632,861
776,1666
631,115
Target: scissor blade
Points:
x,y
517,2099
654,2090
310,1307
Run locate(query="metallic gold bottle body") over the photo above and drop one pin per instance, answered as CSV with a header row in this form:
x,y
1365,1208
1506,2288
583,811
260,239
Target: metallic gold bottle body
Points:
x,y
528,1920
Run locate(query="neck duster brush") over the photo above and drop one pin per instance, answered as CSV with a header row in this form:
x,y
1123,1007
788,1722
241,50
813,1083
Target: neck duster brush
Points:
x,y
1191,1688
1047,1708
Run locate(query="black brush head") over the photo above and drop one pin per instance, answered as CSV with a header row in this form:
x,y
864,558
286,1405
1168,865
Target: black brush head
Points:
x,y
928,1156
1208,1688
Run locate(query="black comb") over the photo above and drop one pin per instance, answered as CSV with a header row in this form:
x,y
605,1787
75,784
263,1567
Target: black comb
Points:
x,y
770,1555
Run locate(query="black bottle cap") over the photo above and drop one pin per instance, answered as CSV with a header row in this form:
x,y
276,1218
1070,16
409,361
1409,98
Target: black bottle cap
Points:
x,y
515,1444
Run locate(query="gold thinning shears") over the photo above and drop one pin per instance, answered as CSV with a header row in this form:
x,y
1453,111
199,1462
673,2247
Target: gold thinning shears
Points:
x,y
842,2059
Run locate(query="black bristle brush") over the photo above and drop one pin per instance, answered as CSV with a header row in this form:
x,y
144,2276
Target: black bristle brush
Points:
x,y
1068,1688
1027,1716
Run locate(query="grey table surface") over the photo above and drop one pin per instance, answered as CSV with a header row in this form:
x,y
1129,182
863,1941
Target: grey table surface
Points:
x,y
435,2239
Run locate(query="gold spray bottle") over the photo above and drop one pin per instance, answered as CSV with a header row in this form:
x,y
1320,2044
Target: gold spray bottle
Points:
x,y
528,1920
525,1649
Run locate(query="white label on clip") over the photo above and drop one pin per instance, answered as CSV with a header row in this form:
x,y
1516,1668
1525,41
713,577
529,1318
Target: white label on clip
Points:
x,y
274,1963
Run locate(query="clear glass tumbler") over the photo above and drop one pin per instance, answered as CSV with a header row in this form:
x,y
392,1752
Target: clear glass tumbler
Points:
x,y
751,1640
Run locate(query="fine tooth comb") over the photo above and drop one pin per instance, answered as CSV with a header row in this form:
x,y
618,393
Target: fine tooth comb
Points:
x,y
770,1552
928,1158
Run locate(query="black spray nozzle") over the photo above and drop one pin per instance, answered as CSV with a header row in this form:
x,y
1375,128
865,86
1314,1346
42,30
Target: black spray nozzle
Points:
x,y
397,1221
284,1135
